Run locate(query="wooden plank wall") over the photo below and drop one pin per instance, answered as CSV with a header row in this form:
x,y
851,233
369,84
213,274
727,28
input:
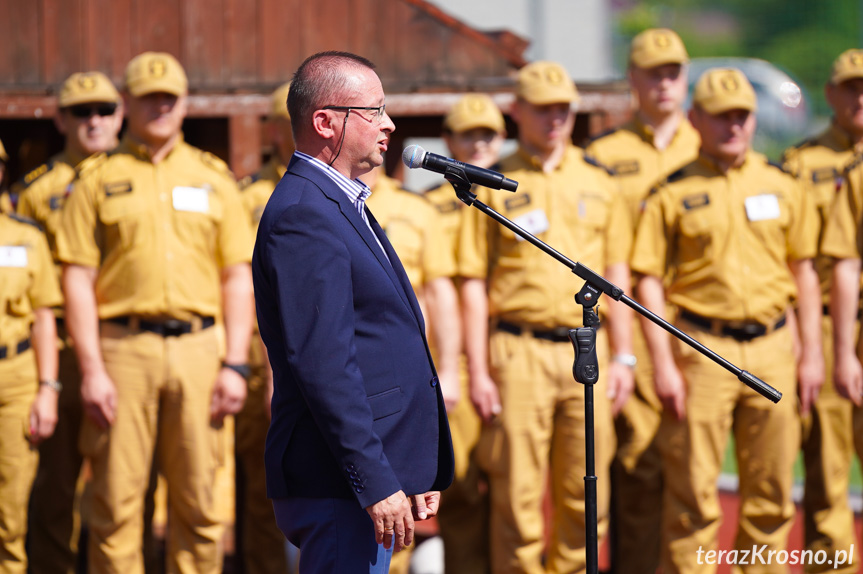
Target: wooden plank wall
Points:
x,y
238,45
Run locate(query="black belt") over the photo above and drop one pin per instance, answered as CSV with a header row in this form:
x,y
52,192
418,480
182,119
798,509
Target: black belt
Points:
x,y
19,348
737,331
165,328
559,335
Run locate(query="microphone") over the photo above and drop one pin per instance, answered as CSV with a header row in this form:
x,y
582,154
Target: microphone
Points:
x,y
414,156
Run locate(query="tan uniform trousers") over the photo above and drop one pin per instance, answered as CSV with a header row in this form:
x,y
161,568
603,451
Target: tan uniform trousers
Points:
x,y
828,448
55,513
463,516
636,474
263,544
164,387
539,439
767,441
18,461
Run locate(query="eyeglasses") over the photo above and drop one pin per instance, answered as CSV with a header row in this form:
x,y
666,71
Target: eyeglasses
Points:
x,y
377,117
84,111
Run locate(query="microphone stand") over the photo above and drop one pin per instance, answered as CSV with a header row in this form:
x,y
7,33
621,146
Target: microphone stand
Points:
x,y
585,369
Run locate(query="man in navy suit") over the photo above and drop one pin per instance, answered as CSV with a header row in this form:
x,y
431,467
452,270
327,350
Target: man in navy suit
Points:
x,y
359,444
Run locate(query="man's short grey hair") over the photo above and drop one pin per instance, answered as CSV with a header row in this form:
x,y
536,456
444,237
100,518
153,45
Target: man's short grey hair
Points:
x,y
320,81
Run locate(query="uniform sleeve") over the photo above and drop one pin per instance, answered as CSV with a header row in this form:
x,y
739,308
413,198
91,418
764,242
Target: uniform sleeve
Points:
x,y
25,205
473,247
619,232
842,234
235,241
45,289
650,247
438,256
803,234
76,238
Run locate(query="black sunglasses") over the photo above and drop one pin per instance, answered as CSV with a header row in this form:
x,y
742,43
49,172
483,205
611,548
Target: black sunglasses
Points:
x,y
86,110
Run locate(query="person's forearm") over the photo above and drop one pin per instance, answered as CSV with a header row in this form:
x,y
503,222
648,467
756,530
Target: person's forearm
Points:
x,y
475,321
619,315
844,302
44,337
442,302
82,317
651,294
809,306
238,308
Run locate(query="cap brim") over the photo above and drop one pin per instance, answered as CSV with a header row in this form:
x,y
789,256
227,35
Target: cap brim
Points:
x,y
155,87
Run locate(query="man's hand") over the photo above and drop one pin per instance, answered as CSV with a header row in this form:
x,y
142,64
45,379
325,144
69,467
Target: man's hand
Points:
x,y
43,414
848,377
99,398
450,387
229,394
425,505
485,398
810,374
621,382
671,388
393,520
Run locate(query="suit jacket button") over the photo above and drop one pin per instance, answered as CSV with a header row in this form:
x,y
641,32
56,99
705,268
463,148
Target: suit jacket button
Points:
x,y
433,382
359,489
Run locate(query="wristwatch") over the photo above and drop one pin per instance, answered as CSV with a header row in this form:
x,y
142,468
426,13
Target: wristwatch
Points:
x,y
244,370
53,384
625,359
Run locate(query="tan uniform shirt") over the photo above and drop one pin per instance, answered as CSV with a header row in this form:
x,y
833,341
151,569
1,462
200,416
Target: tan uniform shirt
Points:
x,y
159,234
843,231
27,279
411,225
638,165
820,164
576,209
450,212
257,191
724,240
44,191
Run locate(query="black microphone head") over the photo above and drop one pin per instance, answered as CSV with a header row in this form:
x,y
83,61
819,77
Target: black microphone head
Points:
x,y
413,156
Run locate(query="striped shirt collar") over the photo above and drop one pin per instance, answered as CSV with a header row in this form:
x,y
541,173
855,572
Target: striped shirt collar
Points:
x,y
356,190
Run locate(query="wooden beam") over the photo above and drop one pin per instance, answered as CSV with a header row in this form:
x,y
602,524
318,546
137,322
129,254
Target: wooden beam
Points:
x,y
244,144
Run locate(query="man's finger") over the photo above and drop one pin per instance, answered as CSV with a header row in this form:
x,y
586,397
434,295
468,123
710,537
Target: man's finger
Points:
x,y
420,506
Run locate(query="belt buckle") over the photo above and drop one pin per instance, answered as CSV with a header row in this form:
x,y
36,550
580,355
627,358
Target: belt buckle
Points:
x,y
174,328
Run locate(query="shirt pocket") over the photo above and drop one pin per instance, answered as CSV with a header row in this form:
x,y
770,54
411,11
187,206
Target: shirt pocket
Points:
x,y
200,229
696,235
15,285
121,216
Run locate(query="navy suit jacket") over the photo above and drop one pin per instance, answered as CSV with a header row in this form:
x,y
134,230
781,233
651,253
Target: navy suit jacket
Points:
x,y
357,409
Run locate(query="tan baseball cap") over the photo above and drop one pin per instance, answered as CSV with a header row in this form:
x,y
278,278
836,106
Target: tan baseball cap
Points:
x,y
473,111
279,102
87,88
719,90
152,72
848,66
543,83
656,47
3,155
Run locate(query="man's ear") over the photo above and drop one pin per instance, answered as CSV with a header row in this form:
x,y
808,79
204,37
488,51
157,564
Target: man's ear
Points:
x,y
322,123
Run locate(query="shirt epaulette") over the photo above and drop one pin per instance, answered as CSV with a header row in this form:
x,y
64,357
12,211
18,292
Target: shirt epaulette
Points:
x,y
216,163
855,161
25,220
676,176
594,162
601,135
249,180
805,143
35,174
778,166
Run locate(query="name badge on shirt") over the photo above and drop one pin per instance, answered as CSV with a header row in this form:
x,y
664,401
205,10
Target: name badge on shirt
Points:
x,y
534,222
762,207
13,256
191,199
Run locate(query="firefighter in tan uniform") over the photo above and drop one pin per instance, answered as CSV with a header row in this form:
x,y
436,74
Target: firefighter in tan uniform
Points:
x,y
155,245
474,132
28,375
263,543
89,115
828,441
658,141
728,241
518,308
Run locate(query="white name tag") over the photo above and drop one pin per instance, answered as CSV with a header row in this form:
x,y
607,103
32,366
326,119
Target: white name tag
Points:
x,y
762,207
534,222
191,199
13,256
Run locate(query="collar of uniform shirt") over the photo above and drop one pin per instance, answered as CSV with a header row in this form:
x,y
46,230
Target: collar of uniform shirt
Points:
x,y
357,191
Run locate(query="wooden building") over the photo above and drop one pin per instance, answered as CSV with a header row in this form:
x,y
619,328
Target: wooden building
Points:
x,y
236,52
